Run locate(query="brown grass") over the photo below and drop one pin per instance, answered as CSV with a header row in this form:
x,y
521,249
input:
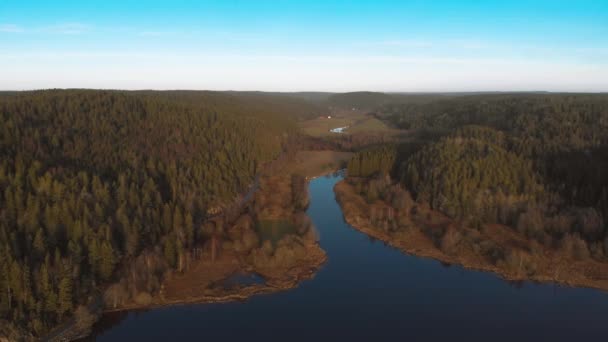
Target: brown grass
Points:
x,y
198,280
316,163
357,122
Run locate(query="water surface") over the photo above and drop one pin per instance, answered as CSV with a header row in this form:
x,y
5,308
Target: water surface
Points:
x,y
338,130
369,291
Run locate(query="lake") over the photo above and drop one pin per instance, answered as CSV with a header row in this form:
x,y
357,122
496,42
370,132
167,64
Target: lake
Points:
x,y
369,291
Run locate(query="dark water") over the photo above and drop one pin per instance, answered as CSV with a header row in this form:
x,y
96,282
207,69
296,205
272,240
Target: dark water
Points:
x,y
368,291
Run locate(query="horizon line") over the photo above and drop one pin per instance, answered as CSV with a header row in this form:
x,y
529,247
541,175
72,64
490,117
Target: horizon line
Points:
x,y
413,92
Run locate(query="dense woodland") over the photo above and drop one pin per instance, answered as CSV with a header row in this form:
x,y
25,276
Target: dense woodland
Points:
x,y
369,162
89,180
96,186
534,162
370,101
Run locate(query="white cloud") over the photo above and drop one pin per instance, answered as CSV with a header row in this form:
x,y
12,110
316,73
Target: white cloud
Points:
x,y
10,28
593,50
472,44
468,43
154,33
416,43
65,28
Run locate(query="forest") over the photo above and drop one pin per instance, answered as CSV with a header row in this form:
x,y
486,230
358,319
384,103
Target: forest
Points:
x,y
372,101
104,193
90,180
534,162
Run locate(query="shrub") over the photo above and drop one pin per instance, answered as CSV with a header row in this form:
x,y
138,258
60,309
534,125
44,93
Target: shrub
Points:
x,y
575,247
450,240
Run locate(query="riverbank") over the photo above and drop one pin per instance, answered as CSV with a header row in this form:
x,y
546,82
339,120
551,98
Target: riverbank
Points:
x,y
204,282
494,248
252,245
248,247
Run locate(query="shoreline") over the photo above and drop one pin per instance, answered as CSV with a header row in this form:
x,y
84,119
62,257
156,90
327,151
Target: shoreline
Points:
x,y
283,280
431,252
274,281
303,272
306,270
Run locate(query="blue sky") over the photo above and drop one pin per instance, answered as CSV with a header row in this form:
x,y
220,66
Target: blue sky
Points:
x,y
305,45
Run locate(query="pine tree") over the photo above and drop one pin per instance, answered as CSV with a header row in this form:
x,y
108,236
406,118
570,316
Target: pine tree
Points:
x,y
39,243
189,228
64,300
169,252
107,261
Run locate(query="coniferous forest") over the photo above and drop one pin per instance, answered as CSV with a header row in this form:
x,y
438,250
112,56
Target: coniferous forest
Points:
x,y
104,193
89,180
273,170
537,163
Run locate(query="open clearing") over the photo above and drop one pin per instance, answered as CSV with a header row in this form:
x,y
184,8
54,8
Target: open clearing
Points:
x,y
314,163
356,122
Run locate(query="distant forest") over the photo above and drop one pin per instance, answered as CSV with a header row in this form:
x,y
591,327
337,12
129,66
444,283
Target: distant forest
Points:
x,y
535,162
98,184
89,180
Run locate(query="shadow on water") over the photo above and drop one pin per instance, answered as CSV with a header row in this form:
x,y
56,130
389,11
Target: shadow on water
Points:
x,y
369,291
241,279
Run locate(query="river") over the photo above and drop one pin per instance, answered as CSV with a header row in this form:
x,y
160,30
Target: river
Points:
x,y
368,291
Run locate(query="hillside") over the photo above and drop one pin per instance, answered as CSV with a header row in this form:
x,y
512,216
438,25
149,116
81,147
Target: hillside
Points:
x,y
543,116
469,174
92,179
532,163
363,100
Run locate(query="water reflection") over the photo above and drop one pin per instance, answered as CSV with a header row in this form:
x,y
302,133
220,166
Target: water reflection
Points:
x,y
370,292
107,322
240,279
445,264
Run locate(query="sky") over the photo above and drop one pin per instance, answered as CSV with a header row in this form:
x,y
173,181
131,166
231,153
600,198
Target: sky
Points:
x,y
313,45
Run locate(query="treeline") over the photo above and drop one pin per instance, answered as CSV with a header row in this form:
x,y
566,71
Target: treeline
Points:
x,y
371,101
382,158
534,162
372,160
91,179
543,123
555,131
362,100
469,174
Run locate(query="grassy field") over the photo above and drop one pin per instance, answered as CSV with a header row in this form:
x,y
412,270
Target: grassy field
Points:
x,y
369,124
357,122
321,126
316,163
